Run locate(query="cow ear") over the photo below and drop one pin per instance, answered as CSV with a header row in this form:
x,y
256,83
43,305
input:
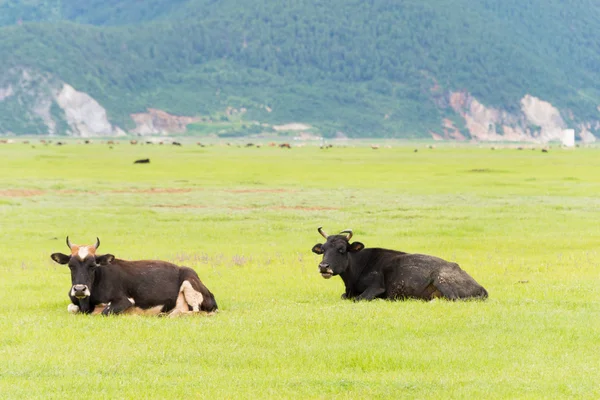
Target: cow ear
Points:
x,y
318,248
104,259
60,258
356,246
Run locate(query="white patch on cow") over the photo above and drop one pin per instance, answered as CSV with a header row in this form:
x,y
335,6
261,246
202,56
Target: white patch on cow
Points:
x,y
83,252
73,308
192,297
131,300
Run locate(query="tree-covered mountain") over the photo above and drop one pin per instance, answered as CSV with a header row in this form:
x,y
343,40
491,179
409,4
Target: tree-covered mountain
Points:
x,y
364,68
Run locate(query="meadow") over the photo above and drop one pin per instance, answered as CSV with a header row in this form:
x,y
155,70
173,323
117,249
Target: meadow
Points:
x,y
523,223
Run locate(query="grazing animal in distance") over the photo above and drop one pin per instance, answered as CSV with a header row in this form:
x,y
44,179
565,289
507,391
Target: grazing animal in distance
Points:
x,y
370,273
154,286
142,161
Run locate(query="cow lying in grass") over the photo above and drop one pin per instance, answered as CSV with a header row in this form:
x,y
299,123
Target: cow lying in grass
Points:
x,y
115,286
370,273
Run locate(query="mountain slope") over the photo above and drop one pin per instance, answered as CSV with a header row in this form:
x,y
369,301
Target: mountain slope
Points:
x,y
365,68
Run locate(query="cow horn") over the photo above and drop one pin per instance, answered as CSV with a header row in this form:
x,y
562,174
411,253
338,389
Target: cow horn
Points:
x,y
97,243
69,242
349,232
320,229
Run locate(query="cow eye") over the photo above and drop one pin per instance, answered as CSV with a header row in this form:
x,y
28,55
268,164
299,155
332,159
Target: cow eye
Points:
x,y
342,250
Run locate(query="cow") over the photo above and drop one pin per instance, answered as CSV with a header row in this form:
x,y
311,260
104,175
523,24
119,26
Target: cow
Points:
x,y
118,285
370,273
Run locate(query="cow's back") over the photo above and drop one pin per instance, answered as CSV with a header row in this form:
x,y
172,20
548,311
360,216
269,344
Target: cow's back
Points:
x,y
148,282
409,275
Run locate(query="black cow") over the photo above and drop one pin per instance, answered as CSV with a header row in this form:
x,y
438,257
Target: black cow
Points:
x,y
121,286
388,274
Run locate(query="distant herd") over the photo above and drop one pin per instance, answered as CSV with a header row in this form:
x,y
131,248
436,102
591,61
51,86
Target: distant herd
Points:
x,y
104,284
283,145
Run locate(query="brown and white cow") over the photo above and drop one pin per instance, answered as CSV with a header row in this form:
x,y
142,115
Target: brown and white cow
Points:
x,y
141,287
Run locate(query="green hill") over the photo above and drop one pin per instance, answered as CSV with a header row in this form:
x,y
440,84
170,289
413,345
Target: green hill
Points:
x,y
365,68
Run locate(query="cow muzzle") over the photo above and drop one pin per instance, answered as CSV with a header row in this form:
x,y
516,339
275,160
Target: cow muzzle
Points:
x,y
80,291
325,271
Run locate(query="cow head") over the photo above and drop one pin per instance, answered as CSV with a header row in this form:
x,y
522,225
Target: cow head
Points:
x,y
335,252
83,261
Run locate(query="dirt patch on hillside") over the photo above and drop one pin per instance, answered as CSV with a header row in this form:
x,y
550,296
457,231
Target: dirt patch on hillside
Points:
x,y
297,208
187,190
179,206
153,190
72,191
302,208
20,193
260,191
159,121
35,192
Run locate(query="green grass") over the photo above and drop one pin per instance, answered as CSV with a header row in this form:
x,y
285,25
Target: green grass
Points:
x,y
524,224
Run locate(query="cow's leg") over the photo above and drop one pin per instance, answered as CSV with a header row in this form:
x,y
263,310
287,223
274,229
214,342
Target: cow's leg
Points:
x,y
375,287
431,292
85,305
181,306
73,308
195,292
371,293
117,306
446,289
192,297
99,308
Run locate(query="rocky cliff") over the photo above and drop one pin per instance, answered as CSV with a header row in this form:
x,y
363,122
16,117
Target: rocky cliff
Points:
x,y
537,121
50,106
46,105
160,122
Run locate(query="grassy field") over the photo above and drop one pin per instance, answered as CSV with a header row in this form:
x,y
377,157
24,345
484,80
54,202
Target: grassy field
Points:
x,y
524,224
